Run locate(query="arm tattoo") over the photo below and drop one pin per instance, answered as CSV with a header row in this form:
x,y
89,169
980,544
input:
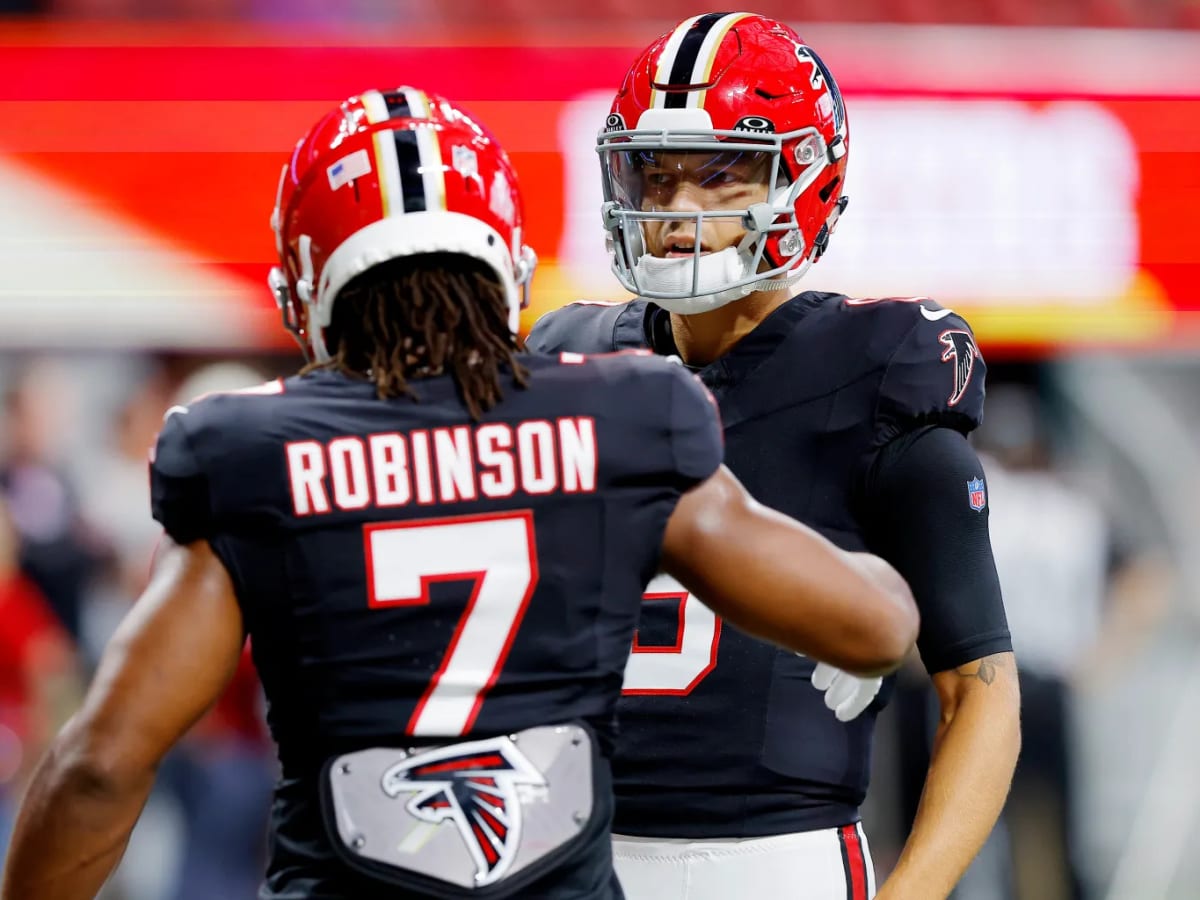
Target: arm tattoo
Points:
x,y
984,670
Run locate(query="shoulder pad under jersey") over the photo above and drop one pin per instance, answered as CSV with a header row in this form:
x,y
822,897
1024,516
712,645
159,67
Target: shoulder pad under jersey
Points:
x,y
671,402
193,439
933,374
587,326
179,494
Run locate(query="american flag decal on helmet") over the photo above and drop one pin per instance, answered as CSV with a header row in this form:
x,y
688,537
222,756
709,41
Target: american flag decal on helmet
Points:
x,y
474,786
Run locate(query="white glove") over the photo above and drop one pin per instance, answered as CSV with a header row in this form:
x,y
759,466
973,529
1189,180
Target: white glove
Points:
x,y
847,695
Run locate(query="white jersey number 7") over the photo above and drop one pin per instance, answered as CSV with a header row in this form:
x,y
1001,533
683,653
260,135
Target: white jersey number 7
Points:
x,y
497,552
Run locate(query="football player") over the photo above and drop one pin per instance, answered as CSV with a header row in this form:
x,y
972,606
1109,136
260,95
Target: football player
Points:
x,y
438,545
741,768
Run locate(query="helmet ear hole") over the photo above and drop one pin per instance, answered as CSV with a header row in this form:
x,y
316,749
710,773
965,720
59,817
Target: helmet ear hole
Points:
x,y
821,244
827,191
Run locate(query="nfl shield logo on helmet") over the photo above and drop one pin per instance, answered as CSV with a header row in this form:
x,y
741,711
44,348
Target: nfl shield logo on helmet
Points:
x,y
976,494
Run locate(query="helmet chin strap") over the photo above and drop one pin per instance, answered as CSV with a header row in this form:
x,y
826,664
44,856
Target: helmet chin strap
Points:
x,y
712,272
785,282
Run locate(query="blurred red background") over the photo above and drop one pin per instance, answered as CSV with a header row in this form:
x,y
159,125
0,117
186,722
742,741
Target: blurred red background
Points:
x,y
182,129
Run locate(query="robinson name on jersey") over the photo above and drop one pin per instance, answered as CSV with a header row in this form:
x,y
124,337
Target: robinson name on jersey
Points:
x,y
443,465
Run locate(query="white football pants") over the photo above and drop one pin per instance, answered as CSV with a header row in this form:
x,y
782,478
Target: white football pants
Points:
x,y
831,864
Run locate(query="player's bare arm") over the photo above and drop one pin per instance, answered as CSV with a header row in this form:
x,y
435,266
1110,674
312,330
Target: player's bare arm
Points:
x,y
974,754
934,528
850,609
167,663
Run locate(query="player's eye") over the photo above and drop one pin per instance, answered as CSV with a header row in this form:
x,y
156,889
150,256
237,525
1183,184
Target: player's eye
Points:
x,y
723,179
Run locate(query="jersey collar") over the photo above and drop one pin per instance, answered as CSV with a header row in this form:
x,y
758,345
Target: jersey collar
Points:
x,y
646,325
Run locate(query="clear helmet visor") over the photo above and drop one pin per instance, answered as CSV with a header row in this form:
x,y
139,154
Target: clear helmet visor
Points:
x,y
687,224
671,181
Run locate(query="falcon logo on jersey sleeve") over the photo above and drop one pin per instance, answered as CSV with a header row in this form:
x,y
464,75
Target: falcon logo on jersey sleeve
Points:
x,y
962,352
474,786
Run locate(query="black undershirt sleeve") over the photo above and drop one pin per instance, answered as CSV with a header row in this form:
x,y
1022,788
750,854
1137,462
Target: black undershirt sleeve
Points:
x,y
918,514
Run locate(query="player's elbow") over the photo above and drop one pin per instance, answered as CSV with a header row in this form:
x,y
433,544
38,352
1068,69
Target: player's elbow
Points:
x,y
86,762
888,624
877,648
891,639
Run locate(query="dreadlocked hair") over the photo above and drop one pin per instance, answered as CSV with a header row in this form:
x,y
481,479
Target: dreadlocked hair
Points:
x,y
417,317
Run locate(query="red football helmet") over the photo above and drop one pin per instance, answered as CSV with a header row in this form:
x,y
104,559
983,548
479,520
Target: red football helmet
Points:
x,y
729,86
388,174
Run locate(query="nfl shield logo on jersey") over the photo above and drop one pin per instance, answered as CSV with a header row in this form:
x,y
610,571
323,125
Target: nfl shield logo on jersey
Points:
x,y
976,494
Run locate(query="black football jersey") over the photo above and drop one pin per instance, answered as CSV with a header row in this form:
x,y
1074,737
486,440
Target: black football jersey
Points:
x,y
732,740
408,576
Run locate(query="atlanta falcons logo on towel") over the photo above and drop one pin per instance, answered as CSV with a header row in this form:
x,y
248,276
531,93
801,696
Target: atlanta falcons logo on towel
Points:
x,y
474,786
961,350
